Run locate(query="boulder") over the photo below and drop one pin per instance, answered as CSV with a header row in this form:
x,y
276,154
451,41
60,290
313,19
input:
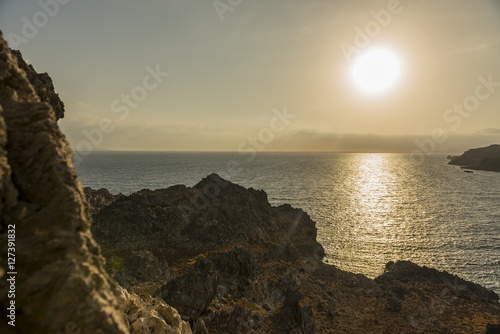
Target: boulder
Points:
x,y
151,316
143,266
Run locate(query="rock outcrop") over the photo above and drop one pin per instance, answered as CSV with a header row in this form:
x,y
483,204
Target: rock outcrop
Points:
x,y
61,282
180,222
99,199
151,316
56,277
43,85
485,158
244,266
142,266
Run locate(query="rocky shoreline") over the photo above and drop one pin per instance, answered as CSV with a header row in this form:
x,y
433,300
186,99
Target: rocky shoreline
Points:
x,y
235,264
214,258
484,158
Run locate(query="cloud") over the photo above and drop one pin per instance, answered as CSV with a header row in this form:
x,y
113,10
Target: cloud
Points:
x,y
481,47
492,131
83,105
225,136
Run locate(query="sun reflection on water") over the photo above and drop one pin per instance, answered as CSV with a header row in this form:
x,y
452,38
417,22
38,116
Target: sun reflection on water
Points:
x,y
369,208
379,227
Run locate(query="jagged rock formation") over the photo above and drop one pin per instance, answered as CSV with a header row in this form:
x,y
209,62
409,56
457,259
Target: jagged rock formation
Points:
x,y
485,158
43,85
61,279
211,215
142,266
99,199
404,270
243,266
61,285
152,316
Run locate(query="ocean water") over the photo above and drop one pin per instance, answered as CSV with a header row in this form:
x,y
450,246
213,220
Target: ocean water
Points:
x,y
369,208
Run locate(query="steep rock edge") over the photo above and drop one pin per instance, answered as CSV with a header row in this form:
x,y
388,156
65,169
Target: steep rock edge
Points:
x,y
242,265
43,85
61,285
59,265
484,158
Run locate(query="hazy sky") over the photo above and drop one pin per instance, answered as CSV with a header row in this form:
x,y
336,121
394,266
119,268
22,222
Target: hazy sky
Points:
x,y
231,69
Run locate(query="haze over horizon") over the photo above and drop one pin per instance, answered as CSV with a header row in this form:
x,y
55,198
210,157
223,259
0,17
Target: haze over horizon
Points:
x,y
233,69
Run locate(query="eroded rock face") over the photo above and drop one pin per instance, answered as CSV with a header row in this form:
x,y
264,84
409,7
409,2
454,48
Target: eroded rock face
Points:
x,y
143,266
243,266
408,271
237,277
61,282
152,316
213,214
43,85
226,274
99,199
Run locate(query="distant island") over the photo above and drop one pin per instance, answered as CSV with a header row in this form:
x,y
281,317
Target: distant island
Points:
x,y
484,158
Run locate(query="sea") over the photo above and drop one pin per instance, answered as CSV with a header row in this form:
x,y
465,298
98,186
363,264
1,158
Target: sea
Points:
x,y
369,208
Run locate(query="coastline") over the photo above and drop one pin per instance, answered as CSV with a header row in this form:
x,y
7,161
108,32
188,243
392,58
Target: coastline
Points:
x,y
217,250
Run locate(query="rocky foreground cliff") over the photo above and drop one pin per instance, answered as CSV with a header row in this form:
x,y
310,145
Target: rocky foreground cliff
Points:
x,y
214,258
52,277
229,262
484,158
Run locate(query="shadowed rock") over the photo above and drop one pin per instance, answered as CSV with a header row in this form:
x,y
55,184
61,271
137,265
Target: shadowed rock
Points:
x,y
484,158
61,282
61,285
143,266
99,199
245,266
407,271
43,85
213,214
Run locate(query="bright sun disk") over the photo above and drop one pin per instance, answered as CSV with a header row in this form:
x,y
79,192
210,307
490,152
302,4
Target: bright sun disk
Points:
x,y
376,71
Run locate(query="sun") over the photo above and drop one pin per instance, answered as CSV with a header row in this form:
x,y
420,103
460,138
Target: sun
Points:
x,y
376,71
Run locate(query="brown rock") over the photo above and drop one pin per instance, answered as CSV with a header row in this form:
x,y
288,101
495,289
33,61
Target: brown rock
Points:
x,y
61,284
43,85
151,316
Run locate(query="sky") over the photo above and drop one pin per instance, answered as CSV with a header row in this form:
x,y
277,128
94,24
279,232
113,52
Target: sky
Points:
x,y
233,75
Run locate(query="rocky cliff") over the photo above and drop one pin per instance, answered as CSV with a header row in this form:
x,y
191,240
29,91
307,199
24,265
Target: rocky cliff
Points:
x,y
42,84
485,158
52,274
241,265
60,271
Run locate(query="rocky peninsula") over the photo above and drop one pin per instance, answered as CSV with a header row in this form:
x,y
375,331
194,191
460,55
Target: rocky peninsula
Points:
x,y
213,258
484,158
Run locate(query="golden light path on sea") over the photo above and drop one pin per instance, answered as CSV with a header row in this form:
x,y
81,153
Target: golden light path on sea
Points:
x,y
380,222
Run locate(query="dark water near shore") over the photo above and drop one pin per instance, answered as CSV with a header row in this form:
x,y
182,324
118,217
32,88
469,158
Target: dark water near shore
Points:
x,y
369,208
